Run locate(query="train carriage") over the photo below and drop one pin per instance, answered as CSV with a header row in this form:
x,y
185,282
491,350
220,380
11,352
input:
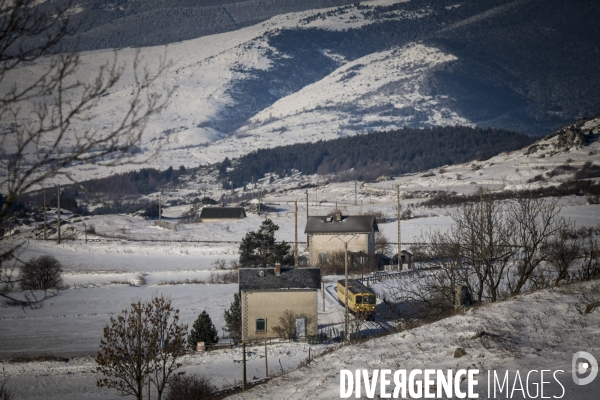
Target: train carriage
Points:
x,y
361,299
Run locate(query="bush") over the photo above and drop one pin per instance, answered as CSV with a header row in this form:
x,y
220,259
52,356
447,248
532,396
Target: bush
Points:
x,y
190,388
41,273
203,330
209,201
6,393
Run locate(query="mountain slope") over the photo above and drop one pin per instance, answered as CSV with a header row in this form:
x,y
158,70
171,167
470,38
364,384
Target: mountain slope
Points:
x,y
139,23
525,65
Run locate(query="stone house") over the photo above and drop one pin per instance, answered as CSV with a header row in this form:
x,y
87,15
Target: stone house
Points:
x,y
266,293
216,214
328,234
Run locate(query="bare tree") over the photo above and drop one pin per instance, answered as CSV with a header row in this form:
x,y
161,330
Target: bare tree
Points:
x,y
333,264
42,273
141,346
563,252
493,249
481,233
428,294
287,324
6,392
590,263
47,121
382,243
534,223
172,342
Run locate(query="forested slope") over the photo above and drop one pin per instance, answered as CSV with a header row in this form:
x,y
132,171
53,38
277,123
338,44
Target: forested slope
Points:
x,y
380,153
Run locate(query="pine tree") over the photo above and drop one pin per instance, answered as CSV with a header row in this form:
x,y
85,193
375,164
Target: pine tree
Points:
x,y
203,330
233,319
259,250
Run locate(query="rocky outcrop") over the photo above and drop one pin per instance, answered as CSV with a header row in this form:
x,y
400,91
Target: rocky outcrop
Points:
x,y
578,134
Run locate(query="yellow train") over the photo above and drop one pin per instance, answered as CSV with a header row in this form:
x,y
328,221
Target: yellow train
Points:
x,y
361,299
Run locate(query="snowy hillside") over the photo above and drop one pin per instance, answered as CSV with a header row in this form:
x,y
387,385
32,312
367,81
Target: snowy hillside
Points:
x,y
531,332
340,104
342,71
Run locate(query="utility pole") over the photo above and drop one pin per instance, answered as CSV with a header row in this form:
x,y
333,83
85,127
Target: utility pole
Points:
x,y
252,187
244,367
307,217
307,205
323,293
58,213
159,207
85,231
296,232
355,193
266,360
45,229
399,234
346,292
259,201
346,336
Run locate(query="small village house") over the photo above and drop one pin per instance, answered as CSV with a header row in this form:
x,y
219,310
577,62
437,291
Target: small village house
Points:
x,y
405,261
266,293
216,214
327,234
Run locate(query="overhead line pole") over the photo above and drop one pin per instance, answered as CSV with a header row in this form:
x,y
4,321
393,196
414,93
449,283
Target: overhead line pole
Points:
x,y
399,233
307,218
346,335
45,229
296,235
58,213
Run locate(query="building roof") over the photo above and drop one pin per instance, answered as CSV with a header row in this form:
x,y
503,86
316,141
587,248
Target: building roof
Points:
x,y
223,212
290,278
348,224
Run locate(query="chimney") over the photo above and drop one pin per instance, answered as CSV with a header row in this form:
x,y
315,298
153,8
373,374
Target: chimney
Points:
x,y
338,216
277,269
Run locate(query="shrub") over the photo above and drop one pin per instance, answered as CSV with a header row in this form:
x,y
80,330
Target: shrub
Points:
x,y
190,388
537,178
6,393
41,273
209,201
593,199
588,171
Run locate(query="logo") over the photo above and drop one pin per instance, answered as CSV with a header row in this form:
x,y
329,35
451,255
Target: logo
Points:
x,y
583,363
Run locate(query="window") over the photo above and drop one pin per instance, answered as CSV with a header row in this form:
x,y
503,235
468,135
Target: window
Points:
x,y
372,300
358,299
322,257
261,325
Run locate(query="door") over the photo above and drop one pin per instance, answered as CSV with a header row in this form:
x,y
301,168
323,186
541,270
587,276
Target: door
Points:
x,y
300,327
